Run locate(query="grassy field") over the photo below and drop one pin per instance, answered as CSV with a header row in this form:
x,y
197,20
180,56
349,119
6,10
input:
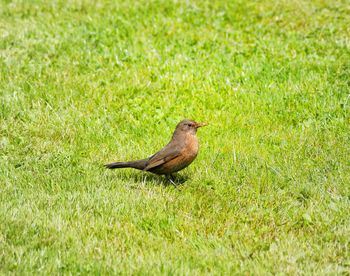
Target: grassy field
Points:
x,y
83,83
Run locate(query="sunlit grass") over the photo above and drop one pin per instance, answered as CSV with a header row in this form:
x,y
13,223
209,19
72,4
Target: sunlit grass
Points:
x,y
82,84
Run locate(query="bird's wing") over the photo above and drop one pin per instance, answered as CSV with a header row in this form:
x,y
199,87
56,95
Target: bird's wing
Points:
x,y
168,153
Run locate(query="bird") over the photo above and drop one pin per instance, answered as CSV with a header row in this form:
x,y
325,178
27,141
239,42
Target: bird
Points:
x,y
175,156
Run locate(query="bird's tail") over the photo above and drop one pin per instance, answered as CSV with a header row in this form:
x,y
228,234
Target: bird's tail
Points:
x,y
138,164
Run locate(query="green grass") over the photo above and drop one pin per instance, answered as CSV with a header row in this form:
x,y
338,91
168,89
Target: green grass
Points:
x,y
84,83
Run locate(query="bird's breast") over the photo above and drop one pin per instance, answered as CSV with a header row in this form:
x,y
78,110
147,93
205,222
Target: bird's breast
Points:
x,y
188,153
191,146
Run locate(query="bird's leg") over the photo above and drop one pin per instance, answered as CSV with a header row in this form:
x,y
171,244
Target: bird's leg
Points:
x,y
171,179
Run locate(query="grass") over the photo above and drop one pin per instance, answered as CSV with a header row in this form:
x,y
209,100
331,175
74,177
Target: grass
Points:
x,y
83,83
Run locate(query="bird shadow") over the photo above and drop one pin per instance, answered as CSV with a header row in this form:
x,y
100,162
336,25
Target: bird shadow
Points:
x,y
151,179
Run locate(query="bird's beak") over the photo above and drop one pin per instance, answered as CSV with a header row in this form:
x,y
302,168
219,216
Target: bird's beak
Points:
x,y
201,125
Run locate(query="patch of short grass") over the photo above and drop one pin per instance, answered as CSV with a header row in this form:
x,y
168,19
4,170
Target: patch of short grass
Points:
x,y
84,83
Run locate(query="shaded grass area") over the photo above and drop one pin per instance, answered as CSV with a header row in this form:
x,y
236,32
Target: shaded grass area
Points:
x,y
85,83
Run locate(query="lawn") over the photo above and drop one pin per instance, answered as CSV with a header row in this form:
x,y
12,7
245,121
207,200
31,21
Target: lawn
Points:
x,y
83,83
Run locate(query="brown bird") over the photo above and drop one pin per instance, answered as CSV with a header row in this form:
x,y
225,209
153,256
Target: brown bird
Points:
x,y
175,156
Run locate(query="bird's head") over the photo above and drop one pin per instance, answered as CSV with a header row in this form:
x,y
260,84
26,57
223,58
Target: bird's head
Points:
x,y
189,126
